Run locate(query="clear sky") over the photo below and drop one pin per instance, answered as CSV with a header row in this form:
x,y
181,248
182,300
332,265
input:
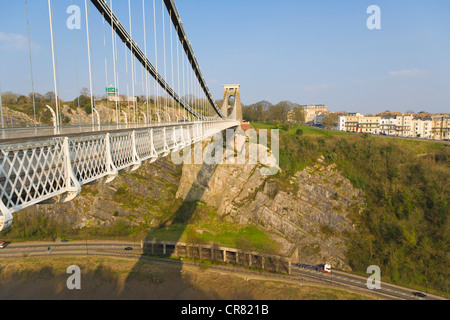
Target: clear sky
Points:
x,y
317,51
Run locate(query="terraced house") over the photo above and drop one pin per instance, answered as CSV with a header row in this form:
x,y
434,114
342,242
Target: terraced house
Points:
x,y
388,125
312,110
440,127
349,122
369,124
402,125
422,128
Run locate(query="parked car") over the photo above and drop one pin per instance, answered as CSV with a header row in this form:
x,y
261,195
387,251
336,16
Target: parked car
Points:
x,y
2,244
64,240
128,248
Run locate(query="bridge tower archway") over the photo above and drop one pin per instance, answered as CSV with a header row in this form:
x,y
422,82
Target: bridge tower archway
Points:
x,y
232,106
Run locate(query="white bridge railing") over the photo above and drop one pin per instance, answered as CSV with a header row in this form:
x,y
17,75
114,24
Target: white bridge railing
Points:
x,y
53,170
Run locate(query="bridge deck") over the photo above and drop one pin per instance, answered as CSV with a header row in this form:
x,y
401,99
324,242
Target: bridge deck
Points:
x,y
53,168
30,134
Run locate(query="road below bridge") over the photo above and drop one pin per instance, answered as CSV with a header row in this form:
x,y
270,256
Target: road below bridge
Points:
x,y
118,249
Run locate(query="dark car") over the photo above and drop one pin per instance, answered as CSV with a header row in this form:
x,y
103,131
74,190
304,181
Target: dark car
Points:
x,y
128,248
419,294
64,240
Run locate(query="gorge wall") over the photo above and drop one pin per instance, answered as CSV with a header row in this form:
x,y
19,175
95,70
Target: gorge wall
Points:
x,y
309,211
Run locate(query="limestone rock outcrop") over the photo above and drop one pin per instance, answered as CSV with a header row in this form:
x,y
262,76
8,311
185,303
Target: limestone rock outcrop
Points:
x,y
310,210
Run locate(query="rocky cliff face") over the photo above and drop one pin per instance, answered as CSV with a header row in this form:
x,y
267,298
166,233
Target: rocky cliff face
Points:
x,y
309,210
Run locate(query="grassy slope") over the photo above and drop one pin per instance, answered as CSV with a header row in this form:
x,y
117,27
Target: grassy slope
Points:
x,y
405,228
306,129
214,229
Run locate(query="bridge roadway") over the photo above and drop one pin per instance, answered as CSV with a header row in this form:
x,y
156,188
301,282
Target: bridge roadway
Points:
x,y
351,280
117,249
31,133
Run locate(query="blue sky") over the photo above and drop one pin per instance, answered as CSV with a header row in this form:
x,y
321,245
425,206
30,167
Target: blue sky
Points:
x,y
303,51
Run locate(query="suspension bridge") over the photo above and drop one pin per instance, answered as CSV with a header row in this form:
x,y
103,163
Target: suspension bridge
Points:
x,y
50,162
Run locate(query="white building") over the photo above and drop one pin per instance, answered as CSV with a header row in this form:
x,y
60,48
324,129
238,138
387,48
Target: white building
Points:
x,y
403,125
388,125
341,123
421,128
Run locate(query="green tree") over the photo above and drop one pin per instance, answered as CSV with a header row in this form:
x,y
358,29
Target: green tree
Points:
x,y
279,112
286,126
299,132
298,115
65,119
22,100
194,241
249,114
84,101
330,120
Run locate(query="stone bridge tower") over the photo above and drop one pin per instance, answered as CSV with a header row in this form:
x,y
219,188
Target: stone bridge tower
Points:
x,y
232,106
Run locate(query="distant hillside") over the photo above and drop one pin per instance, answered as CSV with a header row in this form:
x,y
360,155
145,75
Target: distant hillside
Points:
x,y
264,111
264,104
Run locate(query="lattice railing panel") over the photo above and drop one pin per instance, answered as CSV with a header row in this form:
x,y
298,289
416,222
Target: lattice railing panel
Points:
x,y
122,149
144,144
159,140
31,174
193,132
89,158
170,138
179,136
187,135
